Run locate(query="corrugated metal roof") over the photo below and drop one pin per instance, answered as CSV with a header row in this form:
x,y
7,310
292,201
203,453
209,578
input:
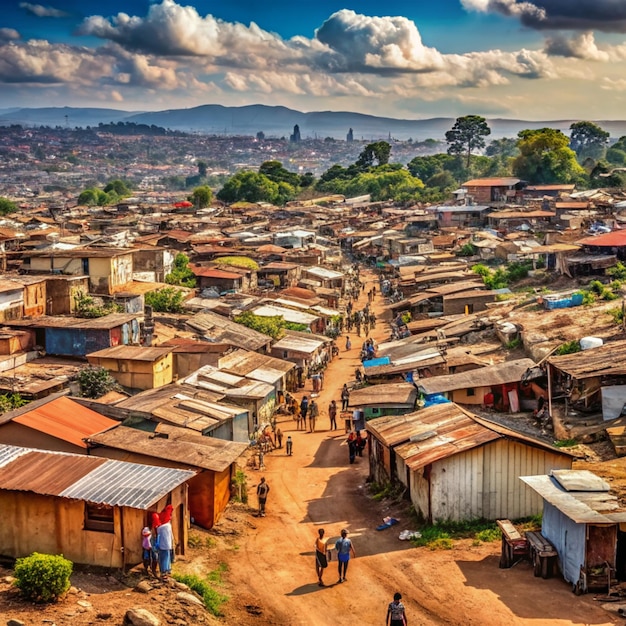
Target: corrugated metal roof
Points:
x,y
117,483
617,238
305,345
289,315
66,420
578,506
608,359
175,444
492,182
499,374
392,394
106,322
132,353
218,329
211,272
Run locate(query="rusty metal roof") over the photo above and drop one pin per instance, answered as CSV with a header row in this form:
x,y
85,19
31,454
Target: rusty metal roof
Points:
x,y
175,444
393,394
132,353
492,182
66,420
219,329
499,374
112,320
608,359
88,478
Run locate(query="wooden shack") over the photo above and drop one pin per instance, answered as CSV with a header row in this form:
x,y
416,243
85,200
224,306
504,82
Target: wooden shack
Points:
x,y
136,367
89,509
213,459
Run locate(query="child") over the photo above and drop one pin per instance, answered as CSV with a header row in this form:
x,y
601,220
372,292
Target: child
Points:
x,y
149,552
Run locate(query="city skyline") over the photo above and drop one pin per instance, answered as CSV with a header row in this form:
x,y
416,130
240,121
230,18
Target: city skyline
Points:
x,y
545,59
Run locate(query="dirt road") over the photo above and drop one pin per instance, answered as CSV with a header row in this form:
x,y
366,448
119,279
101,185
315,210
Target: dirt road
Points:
x,y
273,569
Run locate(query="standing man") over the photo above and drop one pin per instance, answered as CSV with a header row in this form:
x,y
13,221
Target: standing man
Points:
x,y
345,549
332,414
395,612
321,556
304,407
261,491
313,414
345,396
279,437
289,445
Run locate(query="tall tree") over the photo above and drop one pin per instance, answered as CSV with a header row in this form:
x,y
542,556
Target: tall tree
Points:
x,y
588,140
377,152
545,157
202,168
467,134
201,196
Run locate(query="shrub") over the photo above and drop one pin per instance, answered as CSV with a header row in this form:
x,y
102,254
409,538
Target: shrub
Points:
x,y
211,598
95,382
618,271
617,314
238,261
181,273
43,577
90,308
166,300
569,347
467,250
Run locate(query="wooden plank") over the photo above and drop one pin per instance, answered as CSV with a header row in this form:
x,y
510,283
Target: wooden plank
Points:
x,y
540,544
508,530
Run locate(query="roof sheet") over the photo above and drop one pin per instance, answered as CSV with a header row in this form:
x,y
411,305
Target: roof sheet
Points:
x,y
608,359
499,374
384,395
132,353
616,238
491,182
66,420
174,444
289,315
222,330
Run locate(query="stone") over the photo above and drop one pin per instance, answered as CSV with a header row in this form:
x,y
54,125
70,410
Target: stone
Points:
x,y
188,598
104,615
9,580
181,586
84,604
16,622
143,586
141,617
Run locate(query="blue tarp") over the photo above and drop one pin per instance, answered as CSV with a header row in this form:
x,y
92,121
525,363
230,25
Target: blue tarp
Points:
x,y
435,398
385,360
575,299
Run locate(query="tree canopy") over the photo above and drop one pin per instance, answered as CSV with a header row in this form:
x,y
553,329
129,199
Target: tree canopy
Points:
x,y
250,186
467,134
588,140
376,153
201,196
7,206
545,157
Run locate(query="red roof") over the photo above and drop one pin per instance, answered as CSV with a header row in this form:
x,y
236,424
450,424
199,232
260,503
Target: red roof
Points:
x,y
616,239
211,272
66,420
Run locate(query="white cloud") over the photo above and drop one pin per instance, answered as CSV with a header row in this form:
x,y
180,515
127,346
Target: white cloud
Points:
x,y
7,34
42,11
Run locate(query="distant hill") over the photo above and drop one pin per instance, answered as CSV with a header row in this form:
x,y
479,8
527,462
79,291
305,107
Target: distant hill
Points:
x,y
278,121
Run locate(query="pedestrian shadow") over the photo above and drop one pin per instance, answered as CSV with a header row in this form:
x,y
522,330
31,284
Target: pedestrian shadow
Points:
x,y
309,588
330,452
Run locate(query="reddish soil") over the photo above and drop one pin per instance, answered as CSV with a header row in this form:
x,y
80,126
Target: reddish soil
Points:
x,y
271,575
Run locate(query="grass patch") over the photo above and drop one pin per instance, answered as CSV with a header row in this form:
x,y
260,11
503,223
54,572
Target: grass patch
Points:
x,y
381,491
565,443
441,536
514,344
215,576
212,599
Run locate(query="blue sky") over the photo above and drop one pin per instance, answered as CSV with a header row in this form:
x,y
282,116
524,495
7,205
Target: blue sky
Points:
x,y
530,59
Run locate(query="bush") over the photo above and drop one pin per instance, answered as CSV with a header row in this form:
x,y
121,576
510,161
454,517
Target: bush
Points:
x,y
569,347
95,382
43,577
211,598
166,300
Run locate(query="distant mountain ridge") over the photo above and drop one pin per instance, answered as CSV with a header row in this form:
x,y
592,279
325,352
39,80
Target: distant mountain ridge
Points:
x,y
278,121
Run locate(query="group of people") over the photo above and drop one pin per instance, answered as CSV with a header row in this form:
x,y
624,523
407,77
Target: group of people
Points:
x,y
157,543
305,409
356,444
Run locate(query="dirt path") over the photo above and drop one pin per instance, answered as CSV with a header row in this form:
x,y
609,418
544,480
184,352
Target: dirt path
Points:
x,y
273,569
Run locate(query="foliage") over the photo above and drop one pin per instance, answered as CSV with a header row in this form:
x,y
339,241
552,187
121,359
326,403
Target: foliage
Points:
x,y
514,344
467,250
441,535
94,382
89,308
382,491
604,292
504,148
10,401
255,187
212,599
201,196
545,157
6,206
617,314
467,134
181,275
119,187
569,347
501,277
275,171
618,271
565,443
272,326
588,140
240,485
238,261
97,197
43,577
166,300
378,152
488,535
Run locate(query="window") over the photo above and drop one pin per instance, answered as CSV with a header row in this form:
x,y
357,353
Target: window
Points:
x,y
471,392
99,518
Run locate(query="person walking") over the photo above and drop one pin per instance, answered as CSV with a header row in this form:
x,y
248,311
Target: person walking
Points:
x,y
279,437
261,491
348,343
345,397
332,415
345,549
313,415
396,615
304,407
321,556
289,445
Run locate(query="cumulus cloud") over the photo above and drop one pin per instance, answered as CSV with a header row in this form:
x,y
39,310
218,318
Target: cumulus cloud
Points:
x,y
582,46
42,11
8,34
604,15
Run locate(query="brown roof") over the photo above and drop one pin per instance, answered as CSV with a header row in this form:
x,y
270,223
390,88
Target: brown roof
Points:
x,y
491,182
212,272
384,395
132,353
606,360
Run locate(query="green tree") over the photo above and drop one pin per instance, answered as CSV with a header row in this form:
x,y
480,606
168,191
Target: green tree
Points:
x,y
588,140
376,153
467,134
604,174
425,167
94,382
275,171
166,300
202,169
201,196
96,197
6,206
181,274
119,187
545,158
502,148
250,186
271,326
